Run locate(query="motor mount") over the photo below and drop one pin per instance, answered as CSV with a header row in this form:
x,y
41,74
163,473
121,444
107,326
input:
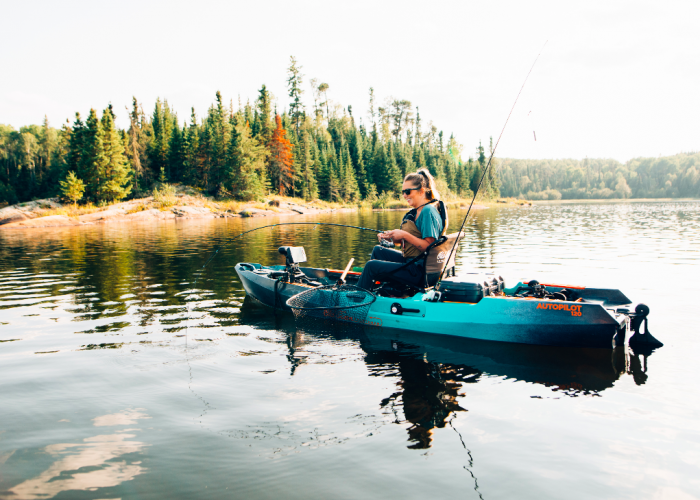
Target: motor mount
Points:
x,y
293,257
637,319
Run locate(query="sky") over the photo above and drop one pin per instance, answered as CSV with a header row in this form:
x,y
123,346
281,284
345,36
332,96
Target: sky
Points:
x,y
614,79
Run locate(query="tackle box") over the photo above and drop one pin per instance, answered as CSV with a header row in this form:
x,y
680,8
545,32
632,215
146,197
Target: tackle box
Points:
x,y
469,287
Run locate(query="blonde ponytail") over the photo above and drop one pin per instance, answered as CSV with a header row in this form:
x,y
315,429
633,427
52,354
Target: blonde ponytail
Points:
x,y
422,178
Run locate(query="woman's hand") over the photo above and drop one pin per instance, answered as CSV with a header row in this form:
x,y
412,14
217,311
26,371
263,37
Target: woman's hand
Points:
x,y
395,235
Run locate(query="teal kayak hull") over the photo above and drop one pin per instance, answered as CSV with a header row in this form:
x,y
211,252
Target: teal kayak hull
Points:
x,y
594,322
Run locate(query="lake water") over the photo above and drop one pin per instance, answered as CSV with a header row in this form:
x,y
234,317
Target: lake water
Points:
x,y
110,389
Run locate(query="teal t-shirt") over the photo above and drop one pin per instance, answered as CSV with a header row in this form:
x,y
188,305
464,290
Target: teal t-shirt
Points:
x,y
429,222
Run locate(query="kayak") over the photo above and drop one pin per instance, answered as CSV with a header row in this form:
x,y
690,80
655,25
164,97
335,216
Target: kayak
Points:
x,y
470,305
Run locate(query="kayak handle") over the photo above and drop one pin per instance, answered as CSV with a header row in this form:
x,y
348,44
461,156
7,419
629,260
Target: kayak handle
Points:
x,y
345,273
397,308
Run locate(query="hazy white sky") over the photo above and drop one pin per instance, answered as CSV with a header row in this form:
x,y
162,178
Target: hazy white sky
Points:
x,y
617,78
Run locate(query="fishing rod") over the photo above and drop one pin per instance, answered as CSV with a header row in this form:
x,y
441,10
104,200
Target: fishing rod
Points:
x,y
257,229
285,224
488,165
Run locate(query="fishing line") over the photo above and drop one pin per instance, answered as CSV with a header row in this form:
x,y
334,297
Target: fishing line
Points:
x,y
488,165
201,271
469,467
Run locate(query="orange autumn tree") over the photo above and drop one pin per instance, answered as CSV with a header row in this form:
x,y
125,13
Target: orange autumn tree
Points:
x,y
281,159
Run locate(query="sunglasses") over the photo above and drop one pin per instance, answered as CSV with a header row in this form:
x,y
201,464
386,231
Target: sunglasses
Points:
x,y
408,191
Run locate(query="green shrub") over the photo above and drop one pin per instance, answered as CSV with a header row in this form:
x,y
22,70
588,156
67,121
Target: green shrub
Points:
x,y
165,196
72,188
382,200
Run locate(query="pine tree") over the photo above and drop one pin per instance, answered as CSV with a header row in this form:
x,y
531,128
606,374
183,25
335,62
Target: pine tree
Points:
x,y
246,179
92,157
333,183
371,106
403,159
59,160
394,177
176,152
74,157
281,159
492,180
379,168
323,89
47,144
294,81
400,113
349,187
480,156
219,138
356,147
136,147
72,188
114,171
263,109
163,125
309,185
477,170
327,182
475,174
190,162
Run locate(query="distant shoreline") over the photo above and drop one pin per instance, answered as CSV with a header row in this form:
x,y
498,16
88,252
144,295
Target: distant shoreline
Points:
x,y
609,200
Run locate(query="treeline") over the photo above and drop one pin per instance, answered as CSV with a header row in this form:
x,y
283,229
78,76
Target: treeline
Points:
x,y
665,177
242,152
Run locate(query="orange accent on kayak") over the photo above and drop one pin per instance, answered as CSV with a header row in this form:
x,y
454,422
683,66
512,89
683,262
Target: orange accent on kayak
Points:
x,y
341,272
563,286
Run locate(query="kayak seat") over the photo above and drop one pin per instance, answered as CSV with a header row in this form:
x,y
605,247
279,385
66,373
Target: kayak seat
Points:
x,y
438,257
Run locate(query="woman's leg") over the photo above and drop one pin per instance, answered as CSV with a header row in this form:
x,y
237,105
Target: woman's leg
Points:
x,y
385,261
387,254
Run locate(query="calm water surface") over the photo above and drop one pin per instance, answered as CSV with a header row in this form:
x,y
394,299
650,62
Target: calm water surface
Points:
x,y
109,389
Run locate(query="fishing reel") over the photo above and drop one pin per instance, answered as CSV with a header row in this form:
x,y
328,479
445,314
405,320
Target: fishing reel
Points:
x,y
386,243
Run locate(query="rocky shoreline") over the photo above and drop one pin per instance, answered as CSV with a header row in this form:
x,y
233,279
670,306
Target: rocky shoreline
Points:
x,y
33,214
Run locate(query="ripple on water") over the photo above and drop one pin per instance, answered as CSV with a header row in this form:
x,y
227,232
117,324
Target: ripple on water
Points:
x,y
153,353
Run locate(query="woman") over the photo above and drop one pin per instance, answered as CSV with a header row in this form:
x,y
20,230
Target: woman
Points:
x,y
420,227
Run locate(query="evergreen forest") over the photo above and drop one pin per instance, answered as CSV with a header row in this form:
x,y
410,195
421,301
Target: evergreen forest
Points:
x,y
247,151
242,152
675,176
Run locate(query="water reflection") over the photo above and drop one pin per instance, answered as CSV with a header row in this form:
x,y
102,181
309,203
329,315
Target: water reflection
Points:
x,y
432,372
100,461
113,300
427,391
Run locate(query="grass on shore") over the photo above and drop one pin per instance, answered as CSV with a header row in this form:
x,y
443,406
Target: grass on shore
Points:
x,y
71,210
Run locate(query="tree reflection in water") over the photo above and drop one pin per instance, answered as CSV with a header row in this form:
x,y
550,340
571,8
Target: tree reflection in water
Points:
x,y
427,394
